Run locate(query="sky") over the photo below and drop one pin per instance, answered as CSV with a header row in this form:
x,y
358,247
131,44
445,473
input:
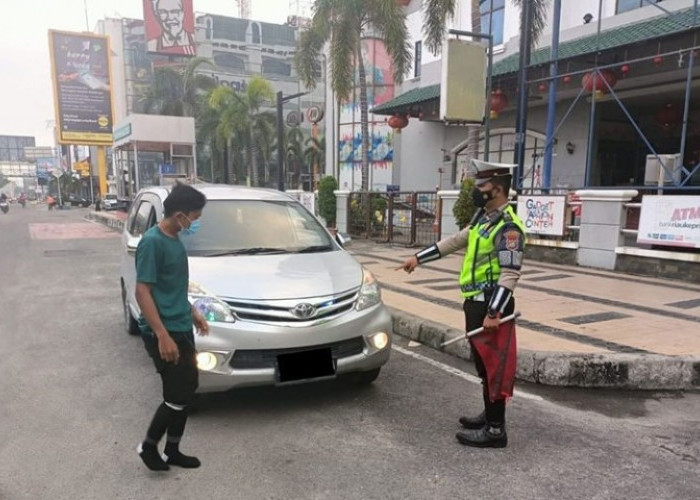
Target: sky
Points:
x,y
26,96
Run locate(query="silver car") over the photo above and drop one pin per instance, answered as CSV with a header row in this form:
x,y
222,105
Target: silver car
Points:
x,y
285,302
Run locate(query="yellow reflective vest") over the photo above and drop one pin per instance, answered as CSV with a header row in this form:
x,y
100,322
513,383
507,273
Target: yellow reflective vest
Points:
x,y
481,269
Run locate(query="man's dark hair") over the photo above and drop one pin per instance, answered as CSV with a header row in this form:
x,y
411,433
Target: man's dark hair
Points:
x,y
503,181
183,198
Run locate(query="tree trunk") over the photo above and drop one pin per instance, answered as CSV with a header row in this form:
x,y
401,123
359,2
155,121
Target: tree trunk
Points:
x,y
364,119
227,162
473,132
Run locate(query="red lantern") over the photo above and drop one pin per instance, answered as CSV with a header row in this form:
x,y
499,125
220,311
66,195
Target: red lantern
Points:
x,y
624,70
566,79
499,102
397,122
669,116
594,81
542,87
658,60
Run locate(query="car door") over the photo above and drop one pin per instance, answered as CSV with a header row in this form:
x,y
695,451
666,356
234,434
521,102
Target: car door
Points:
x,y
142,216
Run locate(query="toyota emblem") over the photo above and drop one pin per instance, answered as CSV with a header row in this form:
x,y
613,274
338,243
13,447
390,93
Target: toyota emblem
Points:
x,y
303,311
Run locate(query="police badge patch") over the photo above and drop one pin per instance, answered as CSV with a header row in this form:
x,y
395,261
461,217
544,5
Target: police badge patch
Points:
x,y
512,238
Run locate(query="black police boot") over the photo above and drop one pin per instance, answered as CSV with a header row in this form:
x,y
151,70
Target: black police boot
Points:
x,y
489,436
473,422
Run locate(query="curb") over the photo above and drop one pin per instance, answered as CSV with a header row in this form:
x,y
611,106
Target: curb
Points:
x,y
106,220
613,370
610,370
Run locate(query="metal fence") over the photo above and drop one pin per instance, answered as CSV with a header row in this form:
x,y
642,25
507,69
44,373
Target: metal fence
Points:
x,y
405,218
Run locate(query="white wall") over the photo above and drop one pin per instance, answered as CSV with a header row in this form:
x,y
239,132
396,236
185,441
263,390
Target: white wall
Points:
x,y
113,29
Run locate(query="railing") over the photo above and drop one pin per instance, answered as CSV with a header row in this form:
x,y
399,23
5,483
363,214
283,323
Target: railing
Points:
x,y
405,218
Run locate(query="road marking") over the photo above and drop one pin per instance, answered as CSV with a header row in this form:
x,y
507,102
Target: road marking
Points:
x,y
459,373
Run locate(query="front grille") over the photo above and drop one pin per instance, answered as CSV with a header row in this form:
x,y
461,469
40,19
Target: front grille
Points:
x,y
326,308
266,358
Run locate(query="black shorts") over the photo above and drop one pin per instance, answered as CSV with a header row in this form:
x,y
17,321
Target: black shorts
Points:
x,y
180,379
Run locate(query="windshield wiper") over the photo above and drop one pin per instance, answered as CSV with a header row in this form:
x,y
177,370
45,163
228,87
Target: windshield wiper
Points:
x,y
314,249
248,251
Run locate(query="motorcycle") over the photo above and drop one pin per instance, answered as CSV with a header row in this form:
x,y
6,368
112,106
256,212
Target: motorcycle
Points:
x,y
22,201
4,206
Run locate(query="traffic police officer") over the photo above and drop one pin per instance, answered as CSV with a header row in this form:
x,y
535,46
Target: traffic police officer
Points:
x,y
494,243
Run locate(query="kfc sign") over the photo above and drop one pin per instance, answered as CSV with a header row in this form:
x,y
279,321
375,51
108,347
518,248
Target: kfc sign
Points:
x,y
169,26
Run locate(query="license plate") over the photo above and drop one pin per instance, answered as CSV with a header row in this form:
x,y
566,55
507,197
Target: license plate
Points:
x,y
305,365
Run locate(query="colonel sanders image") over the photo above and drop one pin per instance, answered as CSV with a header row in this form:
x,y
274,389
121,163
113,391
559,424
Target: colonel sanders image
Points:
x,y
174,37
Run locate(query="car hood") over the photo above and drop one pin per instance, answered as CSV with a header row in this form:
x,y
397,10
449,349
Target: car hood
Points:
x,y
277,277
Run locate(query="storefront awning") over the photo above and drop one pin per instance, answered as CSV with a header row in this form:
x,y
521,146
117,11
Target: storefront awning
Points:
x,y
402,103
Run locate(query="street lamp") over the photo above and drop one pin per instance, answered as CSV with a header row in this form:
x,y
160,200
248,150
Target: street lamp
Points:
x,y
281,99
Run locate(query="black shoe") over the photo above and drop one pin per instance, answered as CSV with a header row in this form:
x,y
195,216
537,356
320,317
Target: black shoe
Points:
x,y
473,422
150,457
181,460
488,436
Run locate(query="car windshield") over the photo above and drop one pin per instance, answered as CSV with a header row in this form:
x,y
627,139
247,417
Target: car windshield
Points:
x,y
111,197
250,227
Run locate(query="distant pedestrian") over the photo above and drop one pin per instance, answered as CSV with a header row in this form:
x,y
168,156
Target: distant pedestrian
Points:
x,y
167,318
494,245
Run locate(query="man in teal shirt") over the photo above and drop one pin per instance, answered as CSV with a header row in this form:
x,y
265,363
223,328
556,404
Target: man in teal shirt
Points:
x,y
167,320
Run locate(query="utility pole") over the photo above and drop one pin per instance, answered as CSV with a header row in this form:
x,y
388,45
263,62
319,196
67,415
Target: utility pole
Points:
x,y
521,124
281,99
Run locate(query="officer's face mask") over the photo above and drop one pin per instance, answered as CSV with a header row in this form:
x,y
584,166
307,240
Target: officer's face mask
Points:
x,y
481,198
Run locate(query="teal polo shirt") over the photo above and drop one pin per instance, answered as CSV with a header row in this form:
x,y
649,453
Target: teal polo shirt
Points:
x,y
161,261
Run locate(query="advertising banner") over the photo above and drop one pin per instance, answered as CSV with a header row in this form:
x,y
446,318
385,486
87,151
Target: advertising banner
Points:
x,y
670,220
169,27
542,214
44,167
82,88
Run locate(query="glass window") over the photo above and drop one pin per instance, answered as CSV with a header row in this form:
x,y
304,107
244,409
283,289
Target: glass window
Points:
x,y
492,17
625,5
257,226
145,218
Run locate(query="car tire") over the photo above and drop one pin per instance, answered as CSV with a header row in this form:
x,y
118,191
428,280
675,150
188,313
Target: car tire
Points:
x,y
364,378
130,324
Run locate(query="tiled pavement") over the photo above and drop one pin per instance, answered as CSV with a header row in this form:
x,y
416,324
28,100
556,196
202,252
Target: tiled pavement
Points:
x,y
564,309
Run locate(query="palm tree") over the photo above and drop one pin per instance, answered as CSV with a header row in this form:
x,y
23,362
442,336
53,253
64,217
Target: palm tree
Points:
x,y
243,128
315,155
179,93
342,23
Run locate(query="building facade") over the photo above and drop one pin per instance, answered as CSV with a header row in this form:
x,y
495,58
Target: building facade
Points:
x,y
602,137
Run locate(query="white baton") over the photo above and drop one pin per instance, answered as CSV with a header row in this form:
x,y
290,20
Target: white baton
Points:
x,y
513,316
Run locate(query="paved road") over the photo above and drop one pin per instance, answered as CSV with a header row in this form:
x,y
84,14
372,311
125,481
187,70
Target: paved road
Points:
x,y
77,393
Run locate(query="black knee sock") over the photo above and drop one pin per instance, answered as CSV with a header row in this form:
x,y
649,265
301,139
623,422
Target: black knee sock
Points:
x,y
161,421
172,446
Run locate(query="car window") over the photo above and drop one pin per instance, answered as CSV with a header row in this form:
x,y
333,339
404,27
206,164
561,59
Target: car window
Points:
x,y
235,225
144,219
132,215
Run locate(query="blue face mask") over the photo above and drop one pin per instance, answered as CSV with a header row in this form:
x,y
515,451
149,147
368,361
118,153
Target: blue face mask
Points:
x,y
193,228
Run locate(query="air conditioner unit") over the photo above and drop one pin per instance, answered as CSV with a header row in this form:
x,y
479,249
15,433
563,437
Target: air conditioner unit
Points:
x,y
656,175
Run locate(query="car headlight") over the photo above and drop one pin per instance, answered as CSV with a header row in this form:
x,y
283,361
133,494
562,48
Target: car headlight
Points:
x,y
208,305
369,293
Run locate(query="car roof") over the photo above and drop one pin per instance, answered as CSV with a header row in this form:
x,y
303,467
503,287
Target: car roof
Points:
x,y
227,192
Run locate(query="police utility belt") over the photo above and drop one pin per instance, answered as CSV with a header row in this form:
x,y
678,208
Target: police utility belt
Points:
x,y
483,296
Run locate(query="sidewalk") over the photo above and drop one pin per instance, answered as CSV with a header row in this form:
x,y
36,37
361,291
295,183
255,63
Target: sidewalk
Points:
x,y
579,326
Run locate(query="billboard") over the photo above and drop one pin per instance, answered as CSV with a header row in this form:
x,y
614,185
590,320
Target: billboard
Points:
x,y
542,214
670,220
463,82
169,27
82,82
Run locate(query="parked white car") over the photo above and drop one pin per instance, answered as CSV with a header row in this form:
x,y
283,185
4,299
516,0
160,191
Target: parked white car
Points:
x,y
285,302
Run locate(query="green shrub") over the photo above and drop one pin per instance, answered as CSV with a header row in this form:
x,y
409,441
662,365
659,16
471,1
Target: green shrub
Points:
x,y
464,207
326,199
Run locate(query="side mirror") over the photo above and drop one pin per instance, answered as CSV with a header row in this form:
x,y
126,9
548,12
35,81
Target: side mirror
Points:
x,y
131,244
343,239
